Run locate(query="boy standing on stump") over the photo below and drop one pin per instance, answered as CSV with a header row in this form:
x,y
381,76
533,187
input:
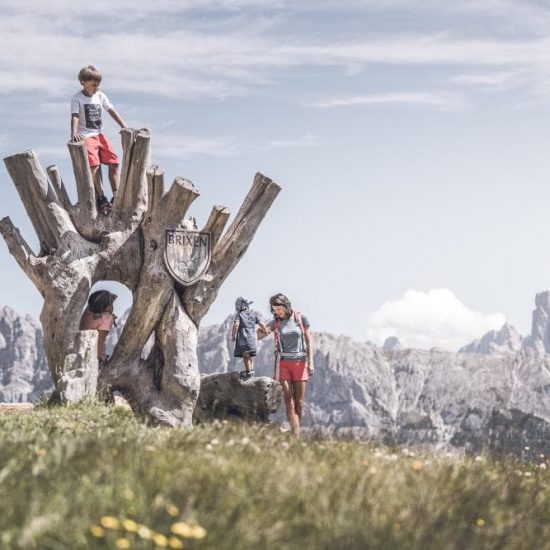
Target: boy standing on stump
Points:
x,y
86,125
243,333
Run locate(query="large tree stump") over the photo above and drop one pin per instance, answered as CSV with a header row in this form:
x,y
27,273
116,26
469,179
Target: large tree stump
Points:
x,y
79,247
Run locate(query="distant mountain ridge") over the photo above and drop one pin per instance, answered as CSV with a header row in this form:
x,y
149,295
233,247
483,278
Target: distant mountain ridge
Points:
x,y
23,367
505,340
508,340
495,393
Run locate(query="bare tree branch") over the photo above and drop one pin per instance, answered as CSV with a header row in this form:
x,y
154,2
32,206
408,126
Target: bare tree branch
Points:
x,y
49,219
22,253
155,189
128,137
216,223
176,201
231,247
86,206
59,186
131,198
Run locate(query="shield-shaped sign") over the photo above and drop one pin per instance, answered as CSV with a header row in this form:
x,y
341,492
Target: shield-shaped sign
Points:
x,y
187,254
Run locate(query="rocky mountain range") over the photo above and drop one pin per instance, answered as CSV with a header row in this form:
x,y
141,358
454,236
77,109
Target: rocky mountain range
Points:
x,y
494,393
23,367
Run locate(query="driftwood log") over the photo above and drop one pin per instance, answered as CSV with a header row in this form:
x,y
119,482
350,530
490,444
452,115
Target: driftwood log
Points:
x,y
227,396
79,247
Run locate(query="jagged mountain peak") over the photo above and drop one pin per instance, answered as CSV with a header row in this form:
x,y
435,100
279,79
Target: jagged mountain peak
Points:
x,y
505,340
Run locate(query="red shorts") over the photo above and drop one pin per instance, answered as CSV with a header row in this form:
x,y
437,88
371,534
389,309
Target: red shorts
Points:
x,y
293,371
100,150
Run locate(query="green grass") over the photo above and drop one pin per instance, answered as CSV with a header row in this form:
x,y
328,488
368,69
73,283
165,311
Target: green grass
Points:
x,y
63,469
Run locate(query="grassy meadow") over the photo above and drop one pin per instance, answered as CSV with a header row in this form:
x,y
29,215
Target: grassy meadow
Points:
x,y
91,476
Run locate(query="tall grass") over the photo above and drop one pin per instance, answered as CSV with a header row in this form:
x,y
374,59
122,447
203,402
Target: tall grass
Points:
x,y
90,476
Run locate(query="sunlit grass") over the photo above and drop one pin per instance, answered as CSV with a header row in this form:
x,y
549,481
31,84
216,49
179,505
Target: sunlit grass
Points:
x,y
91,476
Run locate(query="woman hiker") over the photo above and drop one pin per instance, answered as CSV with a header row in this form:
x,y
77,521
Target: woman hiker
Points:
x,y
294,356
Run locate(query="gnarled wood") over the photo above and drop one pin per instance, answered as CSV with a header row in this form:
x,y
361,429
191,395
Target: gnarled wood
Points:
x,y
60,189
216,223
80,247
231,246
131,198
22,253
86,205
48,218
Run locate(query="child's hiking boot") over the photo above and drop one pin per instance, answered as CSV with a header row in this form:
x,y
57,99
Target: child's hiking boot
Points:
x,y
246,374
103,205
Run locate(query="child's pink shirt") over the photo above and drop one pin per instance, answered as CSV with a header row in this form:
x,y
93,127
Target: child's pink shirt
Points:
x,y
96,321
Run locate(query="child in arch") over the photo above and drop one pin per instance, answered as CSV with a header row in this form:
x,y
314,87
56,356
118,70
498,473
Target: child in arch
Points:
x,y
243,333
99,316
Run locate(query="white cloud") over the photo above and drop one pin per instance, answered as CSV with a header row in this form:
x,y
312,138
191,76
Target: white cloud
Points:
x,y
160,51
491,81
44,151
441,101
307,140
427,319
181,146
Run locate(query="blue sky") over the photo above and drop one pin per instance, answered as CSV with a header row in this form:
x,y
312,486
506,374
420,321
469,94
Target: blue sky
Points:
x,y
410,140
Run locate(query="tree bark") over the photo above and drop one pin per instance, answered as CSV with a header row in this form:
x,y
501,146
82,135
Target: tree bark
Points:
x,y
79,247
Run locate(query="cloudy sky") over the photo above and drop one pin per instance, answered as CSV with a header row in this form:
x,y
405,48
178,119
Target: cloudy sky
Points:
x,y
410,138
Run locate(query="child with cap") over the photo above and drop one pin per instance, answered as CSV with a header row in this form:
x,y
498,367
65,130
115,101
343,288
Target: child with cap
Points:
x,y
243,333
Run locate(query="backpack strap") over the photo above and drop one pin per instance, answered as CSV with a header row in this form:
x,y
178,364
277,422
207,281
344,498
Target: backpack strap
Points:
x,y
277,331
298,320
278,347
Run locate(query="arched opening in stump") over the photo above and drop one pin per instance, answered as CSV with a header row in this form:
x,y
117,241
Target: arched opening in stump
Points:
x,y
122,307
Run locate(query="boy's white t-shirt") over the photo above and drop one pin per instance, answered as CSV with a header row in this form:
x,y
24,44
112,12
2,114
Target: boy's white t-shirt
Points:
x,y
88,109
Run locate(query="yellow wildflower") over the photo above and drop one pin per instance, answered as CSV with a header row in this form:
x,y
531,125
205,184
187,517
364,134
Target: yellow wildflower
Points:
x,y
172,510
181,528
40,452
130,525
110,522
122,543
174,542
480,522
144,532
417,465
160,540
197,532
97,531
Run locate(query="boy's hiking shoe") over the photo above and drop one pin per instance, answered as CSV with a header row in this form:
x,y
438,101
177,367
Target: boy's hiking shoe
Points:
x,y
103,205
246,374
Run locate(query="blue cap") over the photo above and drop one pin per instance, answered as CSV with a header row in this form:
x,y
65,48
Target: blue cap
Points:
x,y
241,302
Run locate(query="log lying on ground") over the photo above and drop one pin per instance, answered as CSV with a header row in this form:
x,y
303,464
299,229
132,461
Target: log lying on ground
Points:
x,y
227,396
